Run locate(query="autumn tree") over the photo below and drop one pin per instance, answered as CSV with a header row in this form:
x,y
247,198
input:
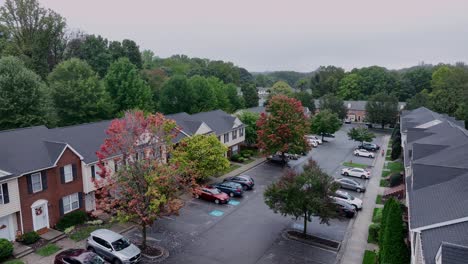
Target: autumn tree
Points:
x,y
283,128
144,187
303,195
203,155
360,134
325,122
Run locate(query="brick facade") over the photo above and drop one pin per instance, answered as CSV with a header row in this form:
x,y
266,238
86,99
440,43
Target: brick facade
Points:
x,y
54,192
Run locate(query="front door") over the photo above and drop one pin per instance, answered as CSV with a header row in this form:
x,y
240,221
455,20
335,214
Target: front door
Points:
x,y
40,216
5,228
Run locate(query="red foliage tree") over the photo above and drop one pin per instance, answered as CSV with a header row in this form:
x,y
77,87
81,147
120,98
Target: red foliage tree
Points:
x,y
283,127
144,187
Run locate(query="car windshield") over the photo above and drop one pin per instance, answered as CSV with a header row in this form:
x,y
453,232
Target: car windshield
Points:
x,y
347,195
93,259
121,244
215,191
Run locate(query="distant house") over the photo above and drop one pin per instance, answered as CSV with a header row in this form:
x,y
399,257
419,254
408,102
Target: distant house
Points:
x,y
356,109
229,129
435,150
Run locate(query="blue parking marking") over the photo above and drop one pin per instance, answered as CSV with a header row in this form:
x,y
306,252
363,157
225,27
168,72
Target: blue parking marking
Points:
x,y
216,213
233,202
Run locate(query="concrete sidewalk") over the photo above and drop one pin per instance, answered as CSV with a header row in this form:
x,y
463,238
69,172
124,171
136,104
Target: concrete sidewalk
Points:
x,y
356,239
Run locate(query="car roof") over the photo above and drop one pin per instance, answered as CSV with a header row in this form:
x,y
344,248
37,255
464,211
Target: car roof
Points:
x,y
107,234
71,252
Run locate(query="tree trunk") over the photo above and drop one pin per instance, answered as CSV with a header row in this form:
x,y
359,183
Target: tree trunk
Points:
x,y
143,235
283,157
322,137
305,224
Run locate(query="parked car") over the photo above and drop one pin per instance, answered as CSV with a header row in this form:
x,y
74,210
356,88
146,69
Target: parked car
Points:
x,y
356,172
328,135
363,153
314,137
277,159
347,121
113,247
77,256
312,142
344,209
245,180
369,146
346,197
292,156
211,194
351,185
230,188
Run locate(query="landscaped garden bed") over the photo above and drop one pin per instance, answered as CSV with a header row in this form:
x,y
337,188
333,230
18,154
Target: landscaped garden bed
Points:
x,y
356,165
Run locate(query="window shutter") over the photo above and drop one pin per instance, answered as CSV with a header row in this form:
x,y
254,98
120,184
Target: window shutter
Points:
x,y
61,207
93,172
74,172
28,180
62,175
6,197
80,199
44,180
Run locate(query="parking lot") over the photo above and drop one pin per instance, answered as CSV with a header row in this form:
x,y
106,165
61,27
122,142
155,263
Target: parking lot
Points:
x,y
246,230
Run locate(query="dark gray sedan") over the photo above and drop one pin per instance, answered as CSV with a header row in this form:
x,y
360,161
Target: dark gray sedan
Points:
x,y
351,185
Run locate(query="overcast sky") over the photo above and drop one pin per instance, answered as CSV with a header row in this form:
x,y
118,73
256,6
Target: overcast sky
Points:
x,y
265,35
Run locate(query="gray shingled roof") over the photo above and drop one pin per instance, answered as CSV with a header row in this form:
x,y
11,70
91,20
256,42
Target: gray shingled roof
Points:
x,y
454,254
219,121
455,234
186,124
27,149
356,105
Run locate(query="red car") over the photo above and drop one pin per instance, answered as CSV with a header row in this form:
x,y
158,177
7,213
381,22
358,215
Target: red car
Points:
x,y
78,256
211,194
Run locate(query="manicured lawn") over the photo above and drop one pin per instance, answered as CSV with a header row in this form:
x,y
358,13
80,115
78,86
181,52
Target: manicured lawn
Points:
x,y
15,261
370,257
378,200
384,183
231,168
47,250
377,216
84,231
385,173
395,166
388,158
355,165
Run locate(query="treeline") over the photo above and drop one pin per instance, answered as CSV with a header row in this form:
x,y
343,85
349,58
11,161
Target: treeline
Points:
x,y
53,77
442,88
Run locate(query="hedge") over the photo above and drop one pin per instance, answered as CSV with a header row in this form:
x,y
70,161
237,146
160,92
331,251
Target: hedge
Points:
x,y
71,219
374,229
395,179
6,249
393,249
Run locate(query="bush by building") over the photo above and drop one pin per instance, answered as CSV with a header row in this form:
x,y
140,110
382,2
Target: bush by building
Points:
x,y
71,219
6,249
29,238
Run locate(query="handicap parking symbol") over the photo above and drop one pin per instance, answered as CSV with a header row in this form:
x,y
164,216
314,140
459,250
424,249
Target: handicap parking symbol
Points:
x,y
233,202
216,213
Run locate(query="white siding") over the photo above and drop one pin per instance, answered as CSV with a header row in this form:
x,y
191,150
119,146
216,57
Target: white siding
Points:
x,y
233,142
14,205
88,184
203,129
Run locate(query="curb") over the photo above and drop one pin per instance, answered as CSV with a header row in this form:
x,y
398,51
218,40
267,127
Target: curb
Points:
x,y
285,235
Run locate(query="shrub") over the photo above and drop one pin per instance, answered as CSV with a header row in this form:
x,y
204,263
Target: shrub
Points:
x,y
377,216
29,238
396,150
69,230
370,257
246,155
6,249
395,179
235,157
394,250
241,159
95,222
374,229
71,219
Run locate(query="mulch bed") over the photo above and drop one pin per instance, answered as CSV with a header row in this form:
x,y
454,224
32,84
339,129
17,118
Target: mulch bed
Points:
x,y
151,251
309,239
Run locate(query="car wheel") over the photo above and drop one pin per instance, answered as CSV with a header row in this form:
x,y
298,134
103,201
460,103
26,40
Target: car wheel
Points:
x,y
356,154
355,207
363,177
231,194
370,156
117,261
358,190
216,201
345,174
244,187
197,196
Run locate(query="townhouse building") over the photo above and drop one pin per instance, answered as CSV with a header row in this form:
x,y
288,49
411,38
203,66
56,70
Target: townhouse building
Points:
x,y
435,149
356,110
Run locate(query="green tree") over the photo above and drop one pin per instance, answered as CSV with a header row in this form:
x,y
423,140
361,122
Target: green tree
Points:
x,y
350,87
325,122
177,95
126,87
24,96
306,99
35,34
132,52
360,134
394,249
284,128
302,84
418,100
325,80
155,79
448,84
203,155
78,94
303,195
235,101
147,57
250,120
205,99
94,50
415,80
116,51
281,87
382,109
250,94
219,89
376,79
334,104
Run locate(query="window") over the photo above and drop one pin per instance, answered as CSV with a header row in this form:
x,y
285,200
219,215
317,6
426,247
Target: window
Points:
x,y
36,182
68,173
226,137
95,171
1,195
70,203
234,134
241,132
102,242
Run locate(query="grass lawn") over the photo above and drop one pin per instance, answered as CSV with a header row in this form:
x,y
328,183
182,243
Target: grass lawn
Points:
x,y
355,165
84,231
47,250
231,168
395,166
15,261
388,158
384,183
377,216
385,173
370,257
378,200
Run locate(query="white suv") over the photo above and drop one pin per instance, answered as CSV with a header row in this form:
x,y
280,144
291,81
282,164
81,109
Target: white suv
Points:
x,y
314,137
356,172
363,153
348,198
